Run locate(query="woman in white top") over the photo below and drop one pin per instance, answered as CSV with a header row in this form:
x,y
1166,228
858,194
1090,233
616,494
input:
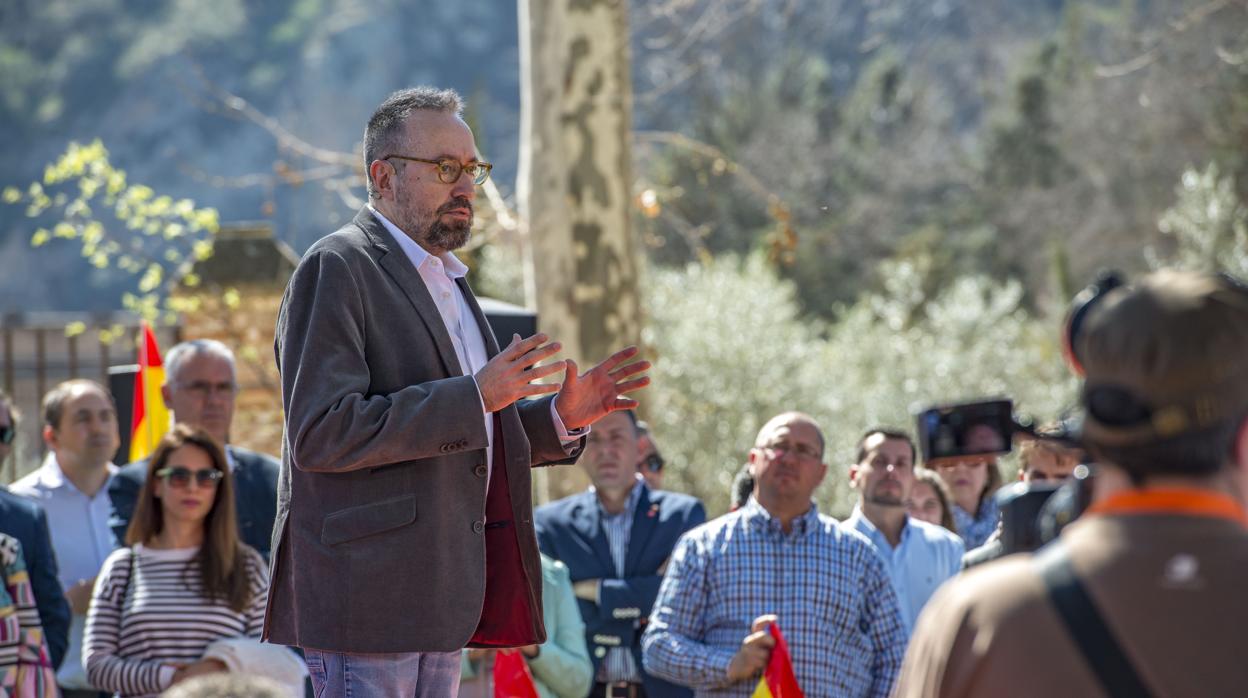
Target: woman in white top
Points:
x,y
185,581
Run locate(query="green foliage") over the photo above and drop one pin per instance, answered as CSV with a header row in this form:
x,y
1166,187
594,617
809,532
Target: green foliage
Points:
x,y
1208,223
153,237
731,349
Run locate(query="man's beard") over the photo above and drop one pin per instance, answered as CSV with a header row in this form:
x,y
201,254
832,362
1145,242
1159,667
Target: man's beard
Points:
x,y
449,236
885,498
436,235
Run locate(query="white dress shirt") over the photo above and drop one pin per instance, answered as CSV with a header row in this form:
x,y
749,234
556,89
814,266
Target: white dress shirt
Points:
x,y
440,274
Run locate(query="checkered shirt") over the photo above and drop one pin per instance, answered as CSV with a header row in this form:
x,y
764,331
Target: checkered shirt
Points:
x,y
832,595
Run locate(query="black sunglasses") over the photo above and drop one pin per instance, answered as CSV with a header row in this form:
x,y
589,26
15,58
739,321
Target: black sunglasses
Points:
x,y
653,462
180,477
7,434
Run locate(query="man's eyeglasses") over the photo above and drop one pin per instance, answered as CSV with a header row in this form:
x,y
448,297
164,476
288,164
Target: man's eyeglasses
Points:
x,y
799,450
449,169
7,434
181,477
653,463
203,389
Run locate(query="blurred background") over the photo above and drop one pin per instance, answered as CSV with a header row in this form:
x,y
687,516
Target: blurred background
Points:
x,y
848,208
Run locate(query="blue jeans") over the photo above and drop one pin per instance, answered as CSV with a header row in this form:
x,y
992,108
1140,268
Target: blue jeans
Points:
x,y
407,674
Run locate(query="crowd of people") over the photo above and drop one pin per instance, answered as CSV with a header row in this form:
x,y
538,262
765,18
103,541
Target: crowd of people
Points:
x,y
395,550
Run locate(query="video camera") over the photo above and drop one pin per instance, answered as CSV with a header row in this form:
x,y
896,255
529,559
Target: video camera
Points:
x,y
1031,514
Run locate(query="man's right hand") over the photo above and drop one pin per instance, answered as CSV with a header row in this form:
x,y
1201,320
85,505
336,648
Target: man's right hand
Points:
x,y
510,374
752,658
79,596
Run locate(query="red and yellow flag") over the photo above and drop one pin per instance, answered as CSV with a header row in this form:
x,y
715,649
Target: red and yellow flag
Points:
x,y
778,679
150,418
511,676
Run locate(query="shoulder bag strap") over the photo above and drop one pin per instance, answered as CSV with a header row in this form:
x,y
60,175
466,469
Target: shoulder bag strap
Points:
x,y
1086,625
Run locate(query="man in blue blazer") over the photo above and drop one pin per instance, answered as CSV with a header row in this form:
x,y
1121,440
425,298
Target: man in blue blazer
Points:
x,y
200,389
615,539
25,521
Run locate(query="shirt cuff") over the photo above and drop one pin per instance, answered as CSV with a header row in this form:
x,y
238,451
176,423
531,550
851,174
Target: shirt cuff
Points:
x,y
566,437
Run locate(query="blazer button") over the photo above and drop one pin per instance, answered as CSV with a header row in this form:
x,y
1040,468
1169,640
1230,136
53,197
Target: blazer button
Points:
x,y
480,470
478,526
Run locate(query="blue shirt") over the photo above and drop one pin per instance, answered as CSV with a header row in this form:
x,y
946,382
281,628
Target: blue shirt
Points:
x,y
924,558
834,600
618,665
976,530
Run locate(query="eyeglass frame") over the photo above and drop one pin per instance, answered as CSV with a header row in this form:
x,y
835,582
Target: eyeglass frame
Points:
x,y
653,462
204,389
207,478
776,451
458,173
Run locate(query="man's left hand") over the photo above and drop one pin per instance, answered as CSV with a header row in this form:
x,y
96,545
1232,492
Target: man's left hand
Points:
x,y
586,398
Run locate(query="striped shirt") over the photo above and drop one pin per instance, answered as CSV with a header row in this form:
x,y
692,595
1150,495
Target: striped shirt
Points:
x,y
618,665
833,598
137,628
25,664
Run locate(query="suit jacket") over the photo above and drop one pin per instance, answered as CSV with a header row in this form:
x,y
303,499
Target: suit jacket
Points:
x,y
570,531
26,521
380,543
255,497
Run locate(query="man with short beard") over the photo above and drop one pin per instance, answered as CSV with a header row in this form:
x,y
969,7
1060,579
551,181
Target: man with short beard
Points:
x,y
919,556
404,529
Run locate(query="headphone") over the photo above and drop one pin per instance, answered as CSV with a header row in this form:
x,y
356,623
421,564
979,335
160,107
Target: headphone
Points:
x,y
1105,281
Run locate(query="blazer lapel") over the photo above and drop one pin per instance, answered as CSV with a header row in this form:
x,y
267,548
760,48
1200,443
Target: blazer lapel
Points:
x,y
645,520
487,332
400,269
587,521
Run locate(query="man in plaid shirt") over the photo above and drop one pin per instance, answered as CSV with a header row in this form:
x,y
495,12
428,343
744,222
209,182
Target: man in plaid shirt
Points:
x,y
777,560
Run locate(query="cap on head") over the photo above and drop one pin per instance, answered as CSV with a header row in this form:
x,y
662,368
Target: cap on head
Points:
x,y
1164,357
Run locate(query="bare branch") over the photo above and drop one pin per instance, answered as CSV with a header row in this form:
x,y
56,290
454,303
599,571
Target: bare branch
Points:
x,y
1174,27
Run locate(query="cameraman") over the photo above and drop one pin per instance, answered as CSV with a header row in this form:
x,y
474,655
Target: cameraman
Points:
x,y
1142,595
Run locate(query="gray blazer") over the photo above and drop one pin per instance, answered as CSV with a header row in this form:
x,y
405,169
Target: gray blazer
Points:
x,y
378,544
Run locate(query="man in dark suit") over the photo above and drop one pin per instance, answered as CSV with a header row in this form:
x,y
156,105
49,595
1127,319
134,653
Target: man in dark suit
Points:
x,y
25,521
615,539
404,529
200,388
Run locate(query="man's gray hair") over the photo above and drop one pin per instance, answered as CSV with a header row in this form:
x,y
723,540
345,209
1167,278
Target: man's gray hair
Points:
x,y
177,357
384,133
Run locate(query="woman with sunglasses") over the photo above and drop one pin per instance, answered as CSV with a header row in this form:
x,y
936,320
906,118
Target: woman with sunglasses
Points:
x,y
185,581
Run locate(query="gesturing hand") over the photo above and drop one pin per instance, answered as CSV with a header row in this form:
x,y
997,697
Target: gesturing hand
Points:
x,y
586,398
510,374
755,651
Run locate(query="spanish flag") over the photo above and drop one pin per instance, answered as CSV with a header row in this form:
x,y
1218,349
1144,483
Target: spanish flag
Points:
x,y
150,418
511,676
778,680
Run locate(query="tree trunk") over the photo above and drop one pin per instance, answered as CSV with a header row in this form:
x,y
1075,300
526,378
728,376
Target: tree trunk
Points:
x,y
574,186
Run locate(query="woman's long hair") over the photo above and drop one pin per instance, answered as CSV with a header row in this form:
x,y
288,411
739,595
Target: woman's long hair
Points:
x,y
222,564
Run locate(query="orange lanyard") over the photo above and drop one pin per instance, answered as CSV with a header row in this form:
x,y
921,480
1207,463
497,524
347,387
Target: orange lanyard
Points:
x,y
1190,502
